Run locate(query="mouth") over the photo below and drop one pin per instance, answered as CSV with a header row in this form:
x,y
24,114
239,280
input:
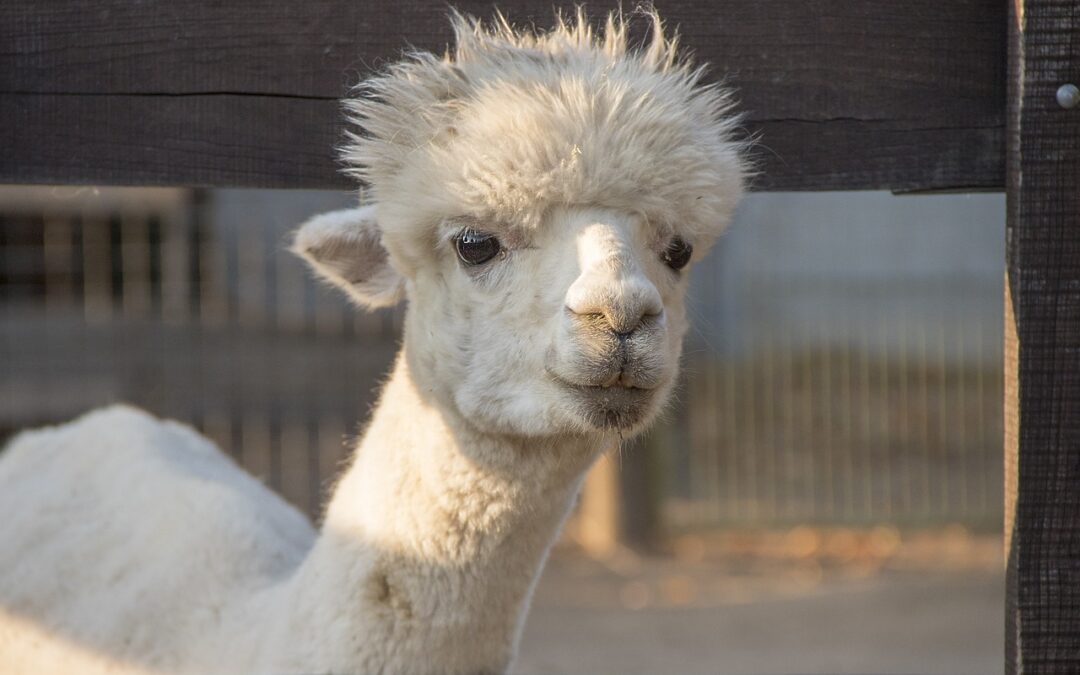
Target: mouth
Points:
x,y
609,407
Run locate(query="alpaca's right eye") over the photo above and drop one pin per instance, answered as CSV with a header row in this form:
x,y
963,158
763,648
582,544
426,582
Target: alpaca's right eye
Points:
x,y
476,248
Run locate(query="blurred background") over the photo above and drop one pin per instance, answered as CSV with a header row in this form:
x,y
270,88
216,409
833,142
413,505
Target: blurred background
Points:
x,y
824,496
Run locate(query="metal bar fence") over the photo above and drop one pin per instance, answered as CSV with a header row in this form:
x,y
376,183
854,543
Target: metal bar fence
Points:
x,y
884,414
146,300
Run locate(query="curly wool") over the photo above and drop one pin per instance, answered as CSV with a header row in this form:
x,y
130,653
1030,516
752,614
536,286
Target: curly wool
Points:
x,y
512,122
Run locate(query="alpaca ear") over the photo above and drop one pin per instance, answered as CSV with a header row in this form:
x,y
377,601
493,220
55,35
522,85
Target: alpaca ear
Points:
x,y
345,248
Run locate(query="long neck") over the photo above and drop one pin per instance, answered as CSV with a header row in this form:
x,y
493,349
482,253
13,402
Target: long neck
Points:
x,y
432,542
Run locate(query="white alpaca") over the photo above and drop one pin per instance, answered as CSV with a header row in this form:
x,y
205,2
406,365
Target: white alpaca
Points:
x,y
536,198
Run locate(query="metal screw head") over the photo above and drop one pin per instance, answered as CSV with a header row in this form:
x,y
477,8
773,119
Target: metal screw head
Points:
x,y
1068,96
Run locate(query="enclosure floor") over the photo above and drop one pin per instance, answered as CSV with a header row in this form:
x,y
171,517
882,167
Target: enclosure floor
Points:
x,y
923,621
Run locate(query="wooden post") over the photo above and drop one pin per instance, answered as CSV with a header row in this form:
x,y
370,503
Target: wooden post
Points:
x,y
1042,351
598,516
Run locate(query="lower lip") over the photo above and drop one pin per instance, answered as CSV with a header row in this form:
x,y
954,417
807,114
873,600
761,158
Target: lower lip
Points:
x,y
614,395
612,407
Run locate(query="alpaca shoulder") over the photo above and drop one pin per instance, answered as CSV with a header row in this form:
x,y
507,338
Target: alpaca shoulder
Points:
x,y
146,517
156,483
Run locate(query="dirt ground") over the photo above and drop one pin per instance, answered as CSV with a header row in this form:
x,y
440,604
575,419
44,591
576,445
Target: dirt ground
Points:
x,y
804,601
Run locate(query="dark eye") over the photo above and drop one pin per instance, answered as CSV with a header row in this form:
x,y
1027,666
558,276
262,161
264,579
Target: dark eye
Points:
x,y
476,248
677,253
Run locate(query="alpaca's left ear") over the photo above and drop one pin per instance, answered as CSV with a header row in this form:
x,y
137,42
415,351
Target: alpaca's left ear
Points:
x,y
345,248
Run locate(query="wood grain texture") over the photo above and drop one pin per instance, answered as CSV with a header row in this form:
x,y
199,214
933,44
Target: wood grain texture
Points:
x,y
1043,354
218,140
847,93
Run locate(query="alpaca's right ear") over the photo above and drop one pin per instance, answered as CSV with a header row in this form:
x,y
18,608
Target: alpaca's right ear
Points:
x,y
345,248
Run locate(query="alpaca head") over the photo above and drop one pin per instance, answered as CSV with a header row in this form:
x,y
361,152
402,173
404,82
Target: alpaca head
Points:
x,y
539,198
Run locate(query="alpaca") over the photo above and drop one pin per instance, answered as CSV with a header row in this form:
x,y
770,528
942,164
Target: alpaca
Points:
x,y
537,198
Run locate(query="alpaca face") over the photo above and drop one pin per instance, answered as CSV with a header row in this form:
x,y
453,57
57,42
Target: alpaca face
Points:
x,y
539,199
573,327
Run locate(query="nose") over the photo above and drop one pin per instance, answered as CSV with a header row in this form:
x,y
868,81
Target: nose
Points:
x,y
622,300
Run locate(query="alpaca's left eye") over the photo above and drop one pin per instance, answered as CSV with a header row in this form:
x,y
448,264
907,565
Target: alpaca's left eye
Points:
x,y
476,248
677,254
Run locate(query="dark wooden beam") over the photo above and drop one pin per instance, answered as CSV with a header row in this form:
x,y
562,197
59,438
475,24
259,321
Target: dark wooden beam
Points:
x,y
1042,365
844,94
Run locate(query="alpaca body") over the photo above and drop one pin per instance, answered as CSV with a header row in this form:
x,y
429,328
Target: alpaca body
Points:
x,y
148,550
538,199
195,567
138,546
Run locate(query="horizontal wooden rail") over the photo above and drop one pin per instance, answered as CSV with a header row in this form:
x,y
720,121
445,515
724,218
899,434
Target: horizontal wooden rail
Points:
x,y
846,94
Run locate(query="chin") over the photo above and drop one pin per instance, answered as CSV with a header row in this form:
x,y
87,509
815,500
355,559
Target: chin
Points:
x,y
626,411
562,408
613,408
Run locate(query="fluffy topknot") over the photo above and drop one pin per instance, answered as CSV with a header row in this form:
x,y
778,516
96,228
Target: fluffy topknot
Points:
x,y
512,121
475,41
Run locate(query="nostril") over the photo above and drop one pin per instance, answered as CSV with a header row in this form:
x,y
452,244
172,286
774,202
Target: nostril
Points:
x,y
625,323
596,319
621,321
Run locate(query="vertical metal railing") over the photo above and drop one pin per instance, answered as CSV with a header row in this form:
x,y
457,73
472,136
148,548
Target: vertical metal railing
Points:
x,y
895,421
887,412
210,323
